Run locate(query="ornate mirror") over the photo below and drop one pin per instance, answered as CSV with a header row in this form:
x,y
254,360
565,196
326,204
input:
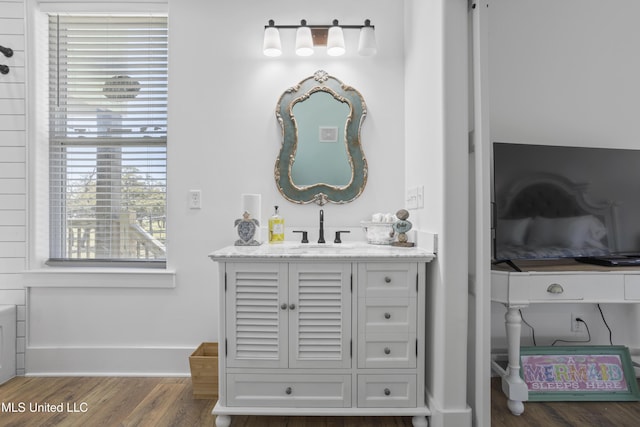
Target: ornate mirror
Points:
x,y
321,158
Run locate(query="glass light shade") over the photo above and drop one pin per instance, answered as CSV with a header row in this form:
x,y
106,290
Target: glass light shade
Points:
x,y
272,45
367,43
304,42
335,42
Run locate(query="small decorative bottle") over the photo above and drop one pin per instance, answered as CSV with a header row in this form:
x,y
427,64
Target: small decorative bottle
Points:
x,y
276,228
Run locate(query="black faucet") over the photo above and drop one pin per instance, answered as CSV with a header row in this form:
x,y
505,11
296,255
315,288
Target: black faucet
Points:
x,y
321,238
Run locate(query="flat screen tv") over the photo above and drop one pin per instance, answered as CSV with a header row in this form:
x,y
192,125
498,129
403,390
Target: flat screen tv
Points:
x,y
555,202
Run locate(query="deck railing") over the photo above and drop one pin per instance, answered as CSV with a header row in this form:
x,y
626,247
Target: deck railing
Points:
x,y
122,237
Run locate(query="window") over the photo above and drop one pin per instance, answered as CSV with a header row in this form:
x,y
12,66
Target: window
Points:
x,y
107,139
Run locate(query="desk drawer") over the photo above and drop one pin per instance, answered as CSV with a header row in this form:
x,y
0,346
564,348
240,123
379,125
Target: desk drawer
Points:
x,y
566,287
632,287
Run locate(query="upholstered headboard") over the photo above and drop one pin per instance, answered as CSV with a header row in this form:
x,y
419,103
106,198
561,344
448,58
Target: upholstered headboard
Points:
x,y
543,199
554,196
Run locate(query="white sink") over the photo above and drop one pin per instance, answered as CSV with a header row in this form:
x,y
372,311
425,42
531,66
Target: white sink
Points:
x,y
327,245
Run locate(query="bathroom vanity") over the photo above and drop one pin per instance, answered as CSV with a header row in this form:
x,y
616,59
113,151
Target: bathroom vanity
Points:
x,y
332,329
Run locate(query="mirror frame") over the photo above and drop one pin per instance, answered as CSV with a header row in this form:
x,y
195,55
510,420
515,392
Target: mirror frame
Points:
x,y
321,193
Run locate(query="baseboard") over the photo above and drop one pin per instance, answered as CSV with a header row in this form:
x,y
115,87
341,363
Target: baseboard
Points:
x,y
108,361
458,417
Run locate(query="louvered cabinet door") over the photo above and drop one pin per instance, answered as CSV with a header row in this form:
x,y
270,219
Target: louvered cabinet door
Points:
x,y
320,315
256,323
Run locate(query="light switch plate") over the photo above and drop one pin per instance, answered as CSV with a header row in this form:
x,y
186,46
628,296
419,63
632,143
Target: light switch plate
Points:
x,y
412,198
420,197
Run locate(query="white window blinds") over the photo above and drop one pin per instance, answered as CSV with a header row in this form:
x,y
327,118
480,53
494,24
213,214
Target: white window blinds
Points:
x,y
108,137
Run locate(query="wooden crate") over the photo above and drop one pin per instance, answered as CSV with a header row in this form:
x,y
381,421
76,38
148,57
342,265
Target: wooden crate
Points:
x,y
204,371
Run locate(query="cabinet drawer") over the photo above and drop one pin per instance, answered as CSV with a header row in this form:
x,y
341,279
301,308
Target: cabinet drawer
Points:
x,y
632,287
289,390
566,287
387,351
387,391
387,316
387,280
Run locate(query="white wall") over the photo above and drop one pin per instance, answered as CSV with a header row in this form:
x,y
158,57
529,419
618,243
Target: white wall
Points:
x,y
13,167
479,334
436,104
224,139
566,73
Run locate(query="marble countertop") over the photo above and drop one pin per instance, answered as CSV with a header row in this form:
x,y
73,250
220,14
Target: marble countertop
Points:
x,y
343,251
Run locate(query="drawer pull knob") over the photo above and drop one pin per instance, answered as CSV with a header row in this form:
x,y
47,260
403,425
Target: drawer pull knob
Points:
x,y
283,306
555,288
387,279
387,315
289,390
292,306
387,392
387,350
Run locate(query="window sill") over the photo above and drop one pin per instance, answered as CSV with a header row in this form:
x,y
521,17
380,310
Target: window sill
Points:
x,y
100,278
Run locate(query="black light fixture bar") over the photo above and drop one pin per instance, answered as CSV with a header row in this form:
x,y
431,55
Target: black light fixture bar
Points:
x,y
303,23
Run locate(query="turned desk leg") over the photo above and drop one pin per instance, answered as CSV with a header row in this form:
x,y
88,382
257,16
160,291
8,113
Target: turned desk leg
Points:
x,y
512,385
223,421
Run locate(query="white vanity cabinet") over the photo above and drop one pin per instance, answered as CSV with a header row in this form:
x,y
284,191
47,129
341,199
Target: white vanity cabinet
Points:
x,y
281,315
306,332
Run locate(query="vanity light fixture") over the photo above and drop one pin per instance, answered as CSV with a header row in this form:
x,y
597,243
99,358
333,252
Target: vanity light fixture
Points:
x,y
272,45
367,42
335,40
309,36
304,40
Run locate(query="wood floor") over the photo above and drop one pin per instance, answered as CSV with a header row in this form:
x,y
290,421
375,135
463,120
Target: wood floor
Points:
x,y
168,402
563,414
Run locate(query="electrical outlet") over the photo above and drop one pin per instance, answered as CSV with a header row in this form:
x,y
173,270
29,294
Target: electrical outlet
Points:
x,y
577,326
195,199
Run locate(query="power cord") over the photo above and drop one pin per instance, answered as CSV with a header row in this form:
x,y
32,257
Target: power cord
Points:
x,y
605,324
575,341
578,319
533,331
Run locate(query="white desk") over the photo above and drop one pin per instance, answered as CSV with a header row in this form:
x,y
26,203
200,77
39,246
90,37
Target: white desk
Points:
x,y
552,282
